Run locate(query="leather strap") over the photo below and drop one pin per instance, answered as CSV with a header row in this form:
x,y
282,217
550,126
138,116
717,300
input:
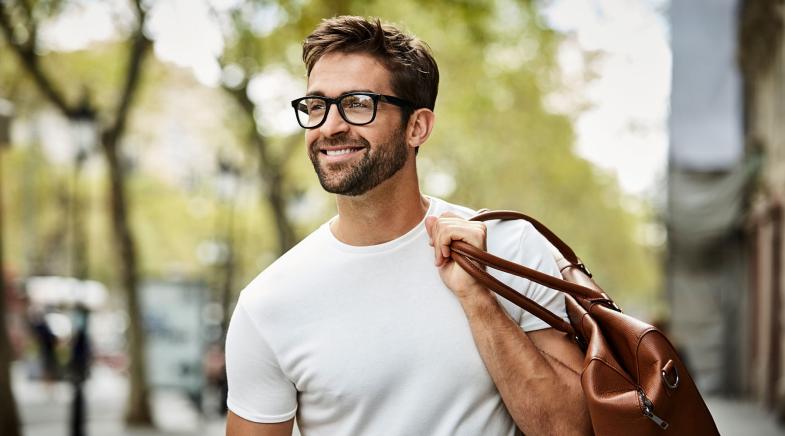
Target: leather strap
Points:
x,y
468,257
511,294
564,249
487,259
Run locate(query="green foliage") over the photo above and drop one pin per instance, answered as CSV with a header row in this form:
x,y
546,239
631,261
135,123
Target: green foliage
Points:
x,y
96,73
494,136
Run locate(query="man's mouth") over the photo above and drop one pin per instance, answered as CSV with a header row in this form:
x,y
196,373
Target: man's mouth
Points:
x,y
339,151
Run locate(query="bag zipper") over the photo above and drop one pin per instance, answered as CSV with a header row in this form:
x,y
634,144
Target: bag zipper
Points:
x,y
648,411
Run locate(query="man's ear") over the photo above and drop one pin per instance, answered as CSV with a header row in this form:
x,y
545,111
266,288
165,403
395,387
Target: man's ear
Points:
x,y
420,126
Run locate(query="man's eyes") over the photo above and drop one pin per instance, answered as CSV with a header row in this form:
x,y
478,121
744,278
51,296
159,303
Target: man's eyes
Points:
x,y
357,103
350,102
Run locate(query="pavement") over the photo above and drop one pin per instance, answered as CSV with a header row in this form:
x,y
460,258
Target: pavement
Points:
x,y
738,417
45,410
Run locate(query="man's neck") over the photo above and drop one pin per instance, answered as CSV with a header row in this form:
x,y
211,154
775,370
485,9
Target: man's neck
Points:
x,y
386,212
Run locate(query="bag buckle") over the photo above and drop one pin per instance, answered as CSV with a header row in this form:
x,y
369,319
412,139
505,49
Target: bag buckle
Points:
x,y
581,266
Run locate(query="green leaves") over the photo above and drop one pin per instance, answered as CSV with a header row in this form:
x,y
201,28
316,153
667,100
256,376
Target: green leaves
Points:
x,y
495,145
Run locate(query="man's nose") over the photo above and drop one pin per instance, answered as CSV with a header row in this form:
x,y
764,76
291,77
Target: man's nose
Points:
x,y
334,124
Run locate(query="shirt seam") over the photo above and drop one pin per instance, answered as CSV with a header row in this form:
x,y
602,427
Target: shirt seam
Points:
x,y
257,417
266,341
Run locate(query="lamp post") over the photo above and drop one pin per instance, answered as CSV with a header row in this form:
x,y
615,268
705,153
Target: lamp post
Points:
x,y
84,133
228,178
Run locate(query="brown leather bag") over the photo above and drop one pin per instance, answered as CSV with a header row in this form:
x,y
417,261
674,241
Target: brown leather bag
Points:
x,y
633,380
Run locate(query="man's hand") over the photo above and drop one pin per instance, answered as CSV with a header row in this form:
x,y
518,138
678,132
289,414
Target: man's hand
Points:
x,y
442,231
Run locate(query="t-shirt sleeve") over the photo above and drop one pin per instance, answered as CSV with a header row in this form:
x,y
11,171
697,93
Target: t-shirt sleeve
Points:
x,y
537,255
520,242
259,391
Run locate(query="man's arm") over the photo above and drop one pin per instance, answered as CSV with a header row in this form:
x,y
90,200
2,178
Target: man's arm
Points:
x,y
535,373
236,426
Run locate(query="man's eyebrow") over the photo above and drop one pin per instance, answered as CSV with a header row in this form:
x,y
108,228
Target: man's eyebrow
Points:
x,y
317,93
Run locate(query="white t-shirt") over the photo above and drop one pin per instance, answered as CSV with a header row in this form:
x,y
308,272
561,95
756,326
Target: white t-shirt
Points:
x,y
369,341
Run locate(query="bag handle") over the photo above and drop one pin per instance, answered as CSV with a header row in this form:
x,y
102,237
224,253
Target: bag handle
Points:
x,y
561,246
468,257
509,293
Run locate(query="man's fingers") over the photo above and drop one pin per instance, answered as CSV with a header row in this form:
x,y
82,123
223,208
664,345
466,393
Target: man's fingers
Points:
x,y
450,227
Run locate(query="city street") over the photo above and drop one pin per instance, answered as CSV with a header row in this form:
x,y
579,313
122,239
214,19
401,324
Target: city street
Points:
x,y
45,410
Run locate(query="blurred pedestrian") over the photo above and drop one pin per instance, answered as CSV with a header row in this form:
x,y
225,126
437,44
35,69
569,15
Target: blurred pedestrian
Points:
x,y
79,368
214,366
46,342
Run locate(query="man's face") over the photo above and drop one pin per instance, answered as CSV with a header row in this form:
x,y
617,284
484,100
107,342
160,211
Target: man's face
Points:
x,y
351,160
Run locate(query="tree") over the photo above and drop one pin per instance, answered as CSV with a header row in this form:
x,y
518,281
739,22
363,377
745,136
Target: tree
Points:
x,y
9,416
19,22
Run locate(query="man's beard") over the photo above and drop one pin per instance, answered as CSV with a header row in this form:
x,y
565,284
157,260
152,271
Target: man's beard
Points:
x,y
376,165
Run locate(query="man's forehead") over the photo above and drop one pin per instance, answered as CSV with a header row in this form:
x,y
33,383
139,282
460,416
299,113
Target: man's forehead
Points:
x,y
339,73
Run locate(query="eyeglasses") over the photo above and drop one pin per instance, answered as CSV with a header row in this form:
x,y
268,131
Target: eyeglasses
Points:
x,y
357,108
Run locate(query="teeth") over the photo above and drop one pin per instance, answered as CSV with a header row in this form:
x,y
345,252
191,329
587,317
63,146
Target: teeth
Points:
x,y
338,152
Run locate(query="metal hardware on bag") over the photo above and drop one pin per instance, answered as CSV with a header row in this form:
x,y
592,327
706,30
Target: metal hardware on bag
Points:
x,y
580,342
648,411
581,266
606,302
667,382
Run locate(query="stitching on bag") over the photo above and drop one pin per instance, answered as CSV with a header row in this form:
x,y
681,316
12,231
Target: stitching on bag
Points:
x,y
622,374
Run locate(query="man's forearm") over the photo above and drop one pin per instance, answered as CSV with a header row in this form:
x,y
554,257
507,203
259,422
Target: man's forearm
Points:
x,y
538,395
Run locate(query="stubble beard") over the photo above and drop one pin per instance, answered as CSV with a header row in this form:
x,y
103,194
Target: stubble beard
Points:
x,y
375,166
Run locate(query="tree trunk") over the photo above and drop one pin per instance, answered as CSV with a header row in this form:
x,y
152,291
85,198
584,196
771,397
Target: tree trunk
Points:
x,y
270,171
138,411
9,416
273,191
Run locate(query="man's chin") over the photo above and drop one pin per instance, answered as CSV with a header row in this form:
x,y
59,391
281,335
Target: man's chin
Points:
x,y
342,189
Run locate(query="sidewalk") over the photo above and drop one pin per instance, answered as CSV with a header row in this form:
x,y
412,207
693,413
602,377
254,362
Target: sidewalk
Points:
x,y
45,411
743,418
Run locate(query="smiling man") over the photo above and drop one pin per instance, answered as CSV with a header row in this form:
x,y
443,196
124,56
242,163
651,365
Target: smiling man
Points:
x,y
367,327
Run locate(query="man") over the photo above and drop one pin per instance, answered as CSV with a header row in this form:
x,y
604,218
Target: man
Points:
x,y
367,327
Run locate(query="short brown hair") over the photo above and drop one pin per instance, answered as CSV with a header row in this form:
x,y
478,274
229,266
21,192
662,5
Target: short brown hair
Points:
x,y
413,70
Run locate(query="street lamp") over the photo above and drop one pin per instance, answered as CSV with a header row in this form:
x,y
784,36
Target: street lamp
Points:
x,y
84,134
228,180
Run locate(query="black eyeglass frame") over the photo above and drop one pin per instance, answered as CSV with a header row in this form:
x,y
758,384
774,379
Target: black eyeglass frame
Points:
x,y
336,101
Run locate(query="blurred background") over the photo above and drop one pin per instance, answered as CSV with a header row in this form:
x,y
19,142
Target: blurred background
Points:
x,y
150,167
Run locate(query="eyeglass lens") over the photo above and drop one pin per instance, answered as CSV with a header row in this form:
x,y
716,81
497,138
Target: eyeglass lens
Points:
x,y
355,109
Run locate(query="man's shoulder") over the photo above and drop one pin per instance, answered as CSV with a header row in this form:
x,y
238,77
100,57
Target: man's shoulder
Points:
x,y
290,270
440,206
508,230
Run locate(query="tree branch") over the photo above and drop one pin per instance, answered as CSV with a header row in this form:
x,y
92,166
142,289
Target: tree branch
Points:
x,y
29,59
32,25
139,46
240,95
